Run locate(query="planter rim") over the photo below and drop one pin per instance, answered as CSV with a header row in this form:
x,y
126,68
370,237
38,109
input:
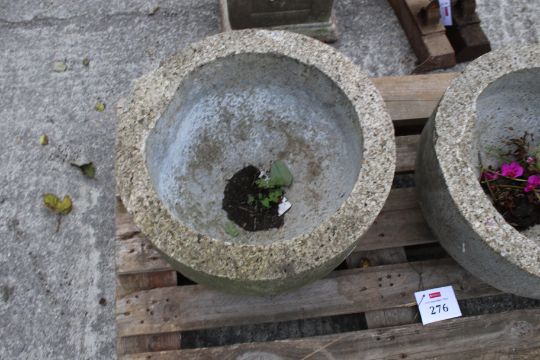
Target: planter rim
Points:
x,y
453,142
338,235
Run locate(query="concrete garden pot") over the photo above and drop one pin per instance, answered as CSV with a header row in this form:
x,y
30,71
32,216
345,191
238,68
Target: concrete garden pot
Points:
x,y
252,97
497,98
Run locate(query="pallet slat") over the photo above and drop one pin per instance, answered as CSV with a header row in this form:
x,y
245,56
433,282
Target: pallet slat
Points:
x,y
406,152
138,255
514,335
352,291
414,96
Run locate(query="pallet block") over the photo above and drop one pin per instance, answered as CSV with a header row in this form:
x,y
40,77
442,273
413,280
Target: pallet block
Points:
x,y
435,45
427,37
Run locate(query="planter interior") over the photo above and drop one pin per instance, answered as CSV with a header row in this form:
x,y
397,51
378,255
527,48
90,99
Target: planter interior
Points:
x,y
506,109
253,109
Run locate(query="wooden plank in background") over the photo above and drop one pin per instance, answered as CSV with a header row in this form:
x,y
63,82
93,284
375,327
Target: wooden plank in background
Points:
x,y
397,228
147,343
428,41
137,254
193,307
391,317
413,96
138,265
406,147
503,336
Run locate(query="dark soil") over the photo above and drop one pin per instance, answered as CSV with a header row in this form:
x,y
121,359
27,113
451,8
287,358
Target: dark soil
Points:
x,y
520,211
250,216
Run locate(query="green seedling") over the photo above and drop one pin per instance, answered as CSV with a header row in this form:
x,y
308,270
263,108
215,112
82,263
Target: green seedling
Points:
x,y
280,175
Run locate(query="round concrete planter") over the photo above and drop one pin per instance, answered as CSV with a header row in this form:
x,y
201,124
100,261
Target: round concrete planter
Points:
x,y
252,97
496,98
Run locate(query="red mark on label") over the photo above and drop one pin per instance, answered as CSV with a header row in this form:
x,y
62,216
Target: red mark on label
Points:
x,y
435,295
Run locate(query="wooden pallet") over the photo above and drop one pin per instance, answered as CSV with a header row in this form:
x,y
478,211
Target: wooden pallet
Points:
x,y
435,45
377,280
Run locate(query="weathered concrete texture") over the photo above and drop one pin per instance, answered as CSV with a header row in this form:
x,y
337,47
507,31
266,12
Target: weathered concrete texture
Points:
x,y
123,42
211,93
51,284
494,100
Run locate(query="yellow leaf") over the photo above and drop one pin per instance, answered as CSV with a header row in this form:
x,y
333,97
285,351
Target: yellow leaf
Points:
x,y
100,107
64,207
53,203
43,140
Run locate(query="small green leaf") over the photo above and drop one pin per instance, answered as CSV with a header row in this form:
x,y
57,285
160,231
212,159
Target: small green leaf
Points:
x,y
100,106
265,202
275,195
43,140
231,229
53,203
280,174
250,199
264,184
59,66
87,169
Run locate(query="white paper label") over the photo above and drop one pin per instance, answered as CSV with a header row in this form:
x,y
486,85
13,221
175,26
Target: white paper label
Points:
x,y
446,12
283,206
437,304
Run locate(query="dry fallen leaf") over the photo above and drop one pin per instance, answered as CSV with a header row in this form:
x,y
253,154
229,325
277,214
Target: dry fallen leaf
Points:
x,y
53,203
87,169
100,106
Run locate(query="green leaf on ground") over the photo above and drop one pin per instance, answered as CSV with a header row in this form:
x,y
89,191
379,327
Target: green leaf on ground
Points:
x,y
87,169
100,106
53,203
43,140
231,229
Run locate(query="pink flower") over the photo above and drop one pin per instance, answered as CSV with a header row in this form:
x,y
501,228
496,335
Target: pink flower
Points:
x,y
532,182
531,160
490,175
512,170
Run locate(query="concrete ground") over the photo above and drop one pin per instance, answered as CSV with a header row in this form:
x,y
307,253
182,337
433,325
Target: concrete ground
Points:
x,y
57,289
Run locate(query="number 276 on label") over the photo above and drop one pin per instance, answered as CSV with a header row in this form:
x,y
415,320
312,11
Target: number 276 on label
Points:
x,y
437,304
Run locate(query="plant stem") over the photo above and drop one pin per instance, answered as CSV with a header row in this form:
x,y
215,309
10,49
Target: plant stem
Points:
x,y
536,194
509,186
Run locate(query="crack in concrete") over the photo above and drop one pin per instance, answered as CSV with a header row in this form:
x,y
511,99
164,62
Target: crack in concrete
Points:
x,y
38,21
